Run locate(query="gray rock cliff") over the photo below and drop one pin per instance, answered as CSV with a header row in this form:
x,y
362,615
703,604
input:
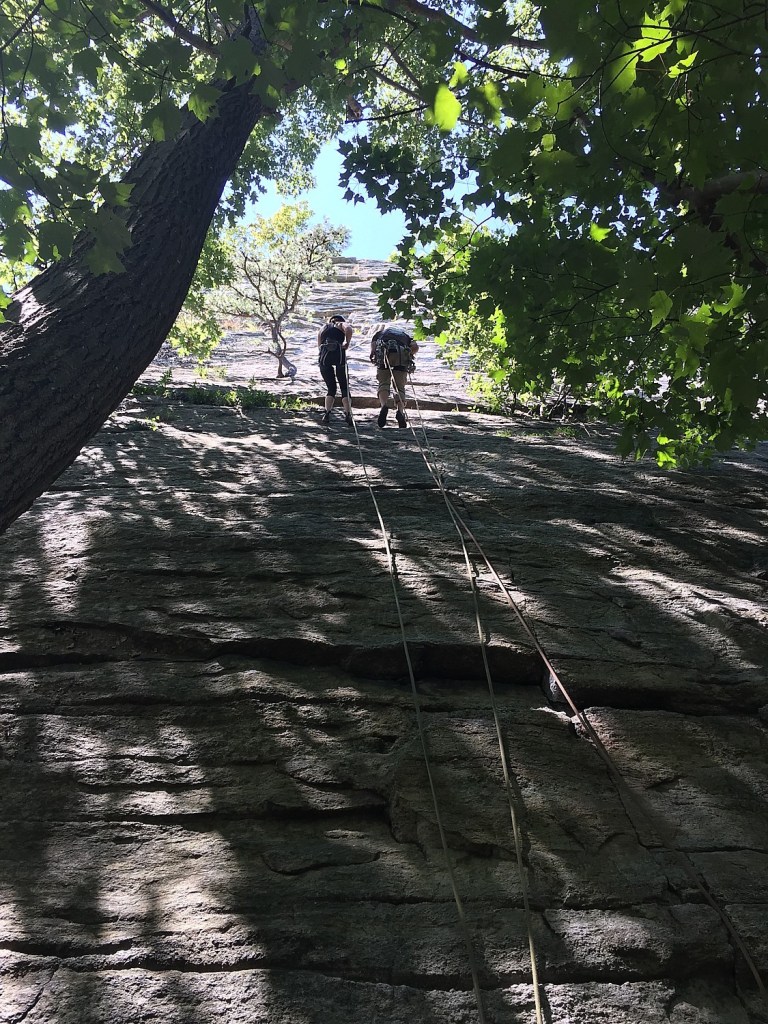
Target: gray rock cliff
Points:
x,y
215,801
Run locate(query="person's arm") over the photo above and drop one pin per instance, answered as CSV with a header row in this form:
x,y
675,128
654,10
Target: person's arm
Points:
x,y
414,347
374,339
348,332
320,338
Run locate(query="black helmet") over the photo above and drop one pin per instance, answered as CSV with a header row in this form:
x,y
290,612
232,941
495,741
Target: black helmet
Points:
x,y
337,318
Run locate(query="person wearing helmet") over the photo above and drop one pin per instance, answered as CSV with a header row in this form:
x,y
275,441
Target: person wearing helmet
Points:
x,y
332,342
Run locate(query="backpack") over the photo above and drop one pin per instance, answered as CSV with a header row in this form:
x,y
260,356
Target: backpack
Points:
x,y
332,339
393,349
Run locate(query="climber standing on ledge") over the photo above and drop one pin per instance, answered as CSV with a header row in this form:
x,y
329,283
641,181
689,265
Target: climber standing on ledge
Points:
x,y
392,351
333,342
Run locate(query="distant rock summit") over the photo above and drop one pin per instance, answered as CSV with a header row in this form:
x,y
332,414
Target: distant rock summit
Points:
x,y
349,292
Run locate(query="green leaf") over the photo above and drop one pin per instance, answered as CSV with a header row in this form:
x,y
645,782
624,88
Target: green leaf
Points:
x,y
555,169
460,74
683,65
23,140
445,109
116,193
87,64
699,334
16,240
55,240
558,22
13,207
509,156
237,60
640,107
58,121
494,26
734,295
103,259
598,234
228,10
655,39
665,459
202,101
621,72
490,92
109,231
660,306
163,120
639,282
11,175
141,92
674,9
517,101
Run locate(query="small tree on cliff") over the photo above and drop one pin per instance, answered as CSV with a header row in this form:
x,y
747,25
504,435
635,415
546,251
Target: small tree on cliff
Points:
x,y
275,258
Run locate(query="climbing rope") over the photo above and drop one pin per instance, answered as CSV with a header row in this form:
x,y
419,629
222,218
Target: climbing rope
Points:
x,y
506,772
635,800
463,923
651,817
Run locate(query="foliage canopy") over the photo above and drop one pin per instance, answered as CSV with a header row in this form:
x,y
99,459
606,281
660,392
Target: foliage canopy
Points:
x,y
618,197
584,183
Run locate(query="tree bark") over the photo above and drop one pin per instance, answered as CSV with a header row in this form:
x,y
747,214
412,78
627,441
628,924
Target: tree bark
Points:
x,y
75,342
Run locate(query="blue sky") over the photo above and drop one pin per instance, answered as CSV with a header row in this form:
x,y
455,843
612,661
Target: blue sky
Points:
x,y
373,235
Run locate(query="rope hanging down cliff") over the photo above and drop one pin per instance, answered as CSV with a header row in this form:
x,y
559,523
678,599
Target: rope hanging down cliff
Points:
x,y
652,819
463,924
631,798
425,751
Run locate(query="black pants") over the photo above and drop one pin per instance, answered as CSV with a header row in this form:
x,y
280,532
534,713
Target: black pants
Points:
x,y
330,372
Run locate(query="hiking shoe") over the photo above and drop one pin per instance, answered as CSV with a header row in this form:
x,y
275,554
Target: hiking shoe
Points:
x,y
400,417
326,417
382,417
348,418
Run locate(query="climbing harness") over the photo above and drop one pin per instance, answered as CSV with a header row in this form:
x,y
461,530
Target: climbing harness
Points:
x,y
393,349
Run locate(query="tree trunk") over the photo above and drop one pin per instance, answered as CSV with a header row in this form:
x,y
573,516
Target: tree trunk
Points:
x,y
75,343
278,349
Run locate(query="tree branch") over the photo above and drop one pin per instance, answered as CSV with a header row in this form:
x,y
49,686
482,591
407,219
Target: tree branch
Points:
x,y
490,65
403,65
711,191
27,21
429,14
401,88
169,19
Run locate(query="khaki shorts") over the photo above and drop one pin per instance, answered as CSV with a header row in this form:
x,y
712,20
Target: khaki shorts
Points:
x,y
384,376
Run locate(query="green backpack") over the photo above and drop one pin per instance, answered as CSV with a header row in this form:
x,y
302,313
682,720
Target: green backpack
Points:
x,y
393,349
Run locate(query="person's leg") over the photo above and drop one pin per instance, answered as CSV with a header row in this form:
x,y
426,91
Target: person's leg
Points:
x,y
329,378
383,379
344,386
400,377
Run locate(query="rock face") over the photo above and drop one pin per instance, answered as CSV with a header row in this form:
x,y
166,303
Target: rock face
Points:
x,y
215,800
243,358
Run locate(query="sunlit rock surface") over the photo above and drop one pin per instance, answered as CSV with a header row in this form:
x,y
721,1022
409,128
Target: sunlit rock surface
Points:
x,y
215,803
